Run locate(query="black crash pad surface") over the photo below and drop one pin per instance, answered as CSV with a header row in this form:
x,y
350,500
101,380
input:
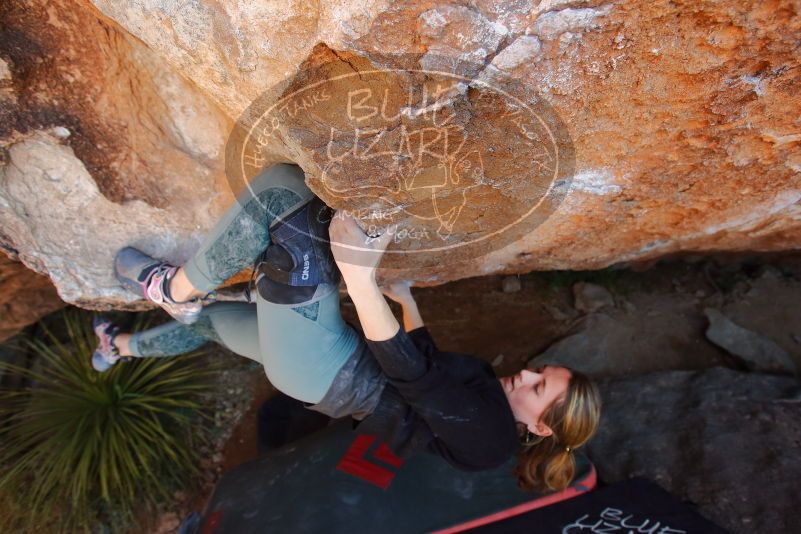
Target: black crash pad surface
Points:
x,y
338,480
636,506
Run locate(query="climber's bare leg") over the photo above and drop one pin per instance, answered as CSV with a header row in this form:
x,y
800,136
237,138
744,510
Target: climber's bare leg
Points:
x,y
242,233
182,289
122,341
231,324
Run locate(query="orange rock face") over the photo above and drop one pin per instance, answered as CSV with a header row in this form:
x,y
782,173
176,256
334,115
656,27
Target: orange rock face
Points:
x,y
612,132
453,167
24,298
103,144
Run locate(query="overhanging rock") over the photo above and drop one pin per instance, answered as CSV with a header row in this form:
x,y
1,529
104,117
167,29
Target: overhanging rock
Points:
x,y
680,123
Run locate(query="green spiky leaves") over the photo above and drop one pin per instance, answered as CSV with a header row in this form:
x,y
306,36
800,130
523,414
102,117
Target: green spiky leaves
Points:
x,y
78,447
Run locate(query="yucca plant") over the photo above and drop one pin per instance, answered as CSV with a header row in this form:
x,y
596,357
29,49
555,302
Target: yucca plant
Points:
x,y
79,448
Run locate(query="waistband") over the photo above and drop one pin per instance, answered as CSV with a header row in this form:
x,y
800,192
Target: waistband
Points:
x,y
357,387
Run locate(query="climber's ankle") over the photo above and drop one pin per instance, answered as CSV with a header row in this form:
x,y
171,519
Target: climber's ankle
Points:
x,y
181,289
123,344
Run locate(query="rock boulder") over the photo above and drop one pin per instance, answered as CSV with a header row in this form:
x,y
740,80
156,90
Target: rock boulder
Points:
x,y
722,439
562,135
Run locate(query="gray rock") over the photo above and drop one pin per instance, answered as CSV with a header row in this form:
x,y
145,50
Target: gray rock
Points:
x,y
558,313
723,439
61,132
551,25
591,297
769,272
5,72
523,49
586,350
614,343
511,284
758,352
628,305
77,251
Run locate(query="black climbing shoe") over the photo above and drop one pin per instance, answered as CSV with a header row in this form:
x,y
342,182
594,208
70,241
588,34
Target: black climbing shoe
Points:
x,y
298,267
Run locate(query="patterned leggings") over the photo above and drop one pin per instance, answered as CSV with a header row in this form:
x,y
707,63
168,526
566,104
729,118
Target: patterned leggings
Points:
x,y
302,348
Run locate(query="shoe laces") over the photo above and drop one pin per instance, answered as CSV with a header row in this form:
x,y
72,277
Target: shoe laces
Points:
x,y
155,283
249,295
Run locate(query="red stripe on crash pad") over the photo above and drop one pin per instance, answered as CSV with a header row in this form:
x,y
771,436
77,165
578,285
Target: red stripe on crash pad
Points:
x,y
213,522
385,455
355,464
586,484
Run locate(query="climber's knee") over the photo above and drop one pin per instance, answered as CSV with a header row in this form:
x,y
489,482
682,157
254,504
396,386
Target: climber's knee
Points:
x,y
298,267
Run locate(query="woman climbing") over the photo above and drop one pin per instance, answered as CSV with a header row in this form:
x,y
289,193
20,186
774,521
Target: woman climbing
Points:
x,y
394,380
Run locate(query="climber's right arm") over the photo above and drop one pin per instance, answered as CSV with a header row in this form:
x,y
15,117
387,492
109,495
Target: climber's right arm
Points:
x,y
357,256
401,293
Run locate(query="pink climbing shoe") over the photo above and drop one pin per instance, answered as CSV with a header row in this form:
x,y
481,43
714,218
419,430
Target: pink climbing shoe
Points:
x,y
106,354
150,278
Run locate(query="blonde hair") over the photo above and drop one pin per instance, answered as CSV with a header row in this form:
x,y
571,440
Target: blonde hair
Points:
x,y
546,463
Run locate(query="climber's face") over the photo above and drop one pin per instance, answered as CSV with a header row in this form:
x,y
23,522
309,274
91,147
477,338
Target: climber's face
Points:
x,y
531,393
